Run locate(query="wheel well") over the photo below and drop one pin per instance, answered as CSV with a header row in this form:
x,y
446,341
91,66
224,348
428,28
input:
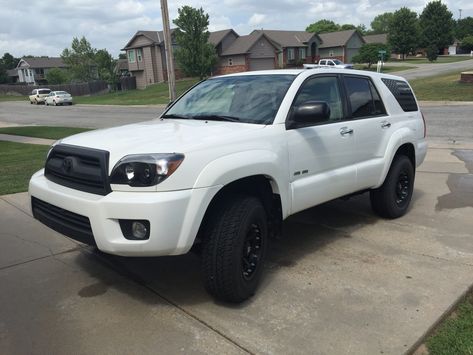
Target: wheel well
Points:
x,y
408,150
256,185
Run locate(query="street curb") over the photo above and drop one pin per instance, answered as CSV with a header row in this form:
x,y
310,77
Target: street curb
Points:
x,y
445,103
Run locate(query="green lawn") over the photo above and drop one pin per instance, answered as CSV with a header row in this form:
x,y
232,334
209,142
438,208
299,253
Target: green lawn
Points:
x,y
43,131
18,162
455,335
446,87
440,60
13,98
153,95
386,69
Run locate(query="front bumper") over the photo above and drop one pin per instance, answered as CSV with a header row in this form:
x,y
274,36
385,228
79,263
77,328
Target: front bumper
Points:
x,y
174,216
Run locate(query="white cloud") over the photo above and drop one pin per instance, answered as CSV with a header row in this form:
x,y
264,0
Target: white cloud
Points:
x,y
257,19
44,29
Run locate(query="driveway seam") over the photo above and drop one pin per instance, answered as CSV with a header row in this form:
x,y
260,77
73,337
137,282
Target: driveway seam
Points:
x,y
134,278
52,255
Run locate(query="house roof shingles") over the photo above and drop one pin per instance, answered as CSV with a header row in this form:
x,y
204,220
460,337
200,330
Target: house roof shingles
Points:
x,y
336,39
243,44
39,62
217,36
381,38
288,38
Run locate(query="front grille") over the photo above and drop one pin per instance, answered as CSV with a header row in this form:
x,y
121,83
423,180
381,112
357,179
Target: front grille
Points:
x,y
68,223
82,169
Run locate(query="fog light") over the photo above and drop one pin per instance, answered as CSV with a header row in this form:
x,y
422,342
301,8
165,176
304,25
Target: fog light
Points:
x,y
135,229
139,230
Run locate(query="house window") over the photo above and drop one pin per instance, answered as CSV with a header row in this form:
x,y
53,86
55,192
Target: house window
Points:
x,y
230,61
139,54
330,54
131,56
302,53
290,54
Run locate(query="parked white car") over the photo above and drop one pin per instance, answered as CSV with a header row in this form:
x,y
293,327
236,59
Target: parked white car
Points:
x,y
38,96
58,98
228,161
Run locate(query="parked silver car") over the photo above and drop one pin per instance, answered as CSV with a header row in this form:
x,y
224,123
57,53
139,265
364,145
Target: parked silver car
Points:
x,y
58,98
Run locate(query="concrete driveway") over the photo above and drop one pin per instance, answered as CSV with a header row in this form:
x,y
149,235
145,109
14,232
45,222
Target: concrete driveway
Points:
x,y
340,281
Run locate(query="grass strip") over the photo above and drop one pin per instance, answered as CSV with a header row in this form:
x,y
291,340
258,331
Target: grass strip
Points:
x,y
18,162
445,87
48,132
156,94
455,334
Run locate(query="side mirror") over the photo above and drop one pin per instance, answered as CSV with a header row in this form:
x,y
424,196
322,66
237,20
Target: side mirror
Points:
x,y
310,113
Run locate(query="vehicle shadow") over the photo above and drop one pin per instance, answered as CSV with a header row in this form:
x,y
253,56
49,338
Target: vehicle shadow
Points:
x,y
178,279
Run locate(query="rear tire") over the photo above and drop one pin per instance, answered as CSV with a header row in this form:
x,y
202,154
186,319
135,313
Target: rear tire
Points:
x,y
392,199
234,249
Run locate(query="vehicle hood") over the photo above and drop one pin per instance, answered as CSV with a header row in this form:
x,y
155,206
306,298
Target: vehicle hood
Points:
x,y
161,136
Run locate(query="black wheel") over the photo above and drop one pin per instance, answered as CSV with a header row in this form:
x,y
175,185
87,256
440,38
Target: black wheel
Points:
x,y
46,103
235,248
54,103
31,102
392,199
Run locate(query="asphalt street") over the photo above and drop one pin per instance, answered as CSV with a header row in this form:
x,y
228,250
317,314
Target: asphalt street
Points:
x,y
426,70
444,121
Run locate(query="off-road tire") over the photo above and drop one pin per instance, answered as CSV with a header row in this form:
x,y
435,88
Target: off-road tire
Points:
x,y
392,199
226,250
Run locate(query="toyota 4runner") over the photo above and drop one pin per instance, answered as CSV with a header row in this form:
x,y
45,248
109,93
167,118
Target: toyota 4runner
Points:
x,y
228,161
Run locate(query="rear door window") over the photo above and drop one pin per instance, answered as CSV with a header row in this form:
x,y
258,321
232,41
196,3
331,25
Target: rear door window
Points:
x,y
363,97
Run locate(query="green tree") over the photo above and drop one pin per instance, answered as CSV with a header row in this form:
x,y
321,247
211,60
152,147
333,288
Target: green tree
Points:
x,y
347,26
80,59
403,31
57,76
194,55
380,23
369,53
464,27
323,26
9,61
3,73
436,27
106,66
467,43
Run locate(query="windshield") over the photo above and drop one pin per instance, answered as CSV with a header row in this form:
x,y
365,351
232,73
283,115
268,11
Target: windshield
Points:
x,y
245,98
61,93
43,91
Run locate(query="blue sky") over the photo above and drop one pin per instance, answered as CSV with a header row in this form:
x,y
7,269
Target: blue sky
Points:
x,y
47,27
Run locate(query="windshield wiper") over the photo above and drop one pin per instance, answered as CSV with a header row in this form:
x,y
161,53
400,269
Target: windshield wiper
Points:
x,y
216,118
172,115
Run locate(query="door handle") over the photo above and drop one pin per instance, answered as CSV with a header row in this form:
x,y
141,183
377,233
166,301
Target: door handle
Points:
x,y
385,125
345,130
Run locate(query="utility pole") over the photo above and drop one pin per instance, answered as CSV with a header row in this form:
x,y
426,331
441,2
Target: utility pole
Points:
x,y
460,11
168,50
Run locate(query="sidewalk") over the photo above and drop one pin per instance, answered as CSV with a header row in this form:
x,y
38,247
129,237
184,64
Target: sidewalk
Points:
x,y
23,139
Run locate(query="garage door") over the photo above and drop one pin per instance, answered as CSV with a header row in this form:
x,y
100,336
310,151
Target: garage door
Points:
x,y
261,63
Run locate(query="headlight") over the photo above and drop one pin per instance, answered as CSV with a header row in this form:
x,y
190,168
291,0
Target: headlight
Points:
x,y
145,169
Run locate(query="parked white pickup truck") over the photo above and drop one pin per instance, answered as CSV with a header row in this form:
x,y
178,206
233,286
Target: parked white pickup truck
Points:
x,y
228,161
329,63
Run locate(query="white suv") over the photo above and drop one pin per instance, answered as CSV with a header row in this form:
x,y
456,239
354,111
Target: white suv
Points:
x,y
228,161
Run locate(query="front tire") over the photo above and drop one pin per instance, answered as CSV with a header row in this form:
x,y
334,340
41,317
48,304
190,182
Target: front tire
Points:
x,y
392,199
235,248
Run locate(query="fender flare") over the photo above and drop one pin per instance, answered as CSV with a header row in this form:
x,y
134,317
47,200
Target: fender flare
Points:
x,y
232,167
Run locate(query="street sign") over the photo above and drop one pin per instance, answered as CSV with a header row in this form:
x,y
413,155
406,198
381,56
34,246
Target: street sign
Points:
x,y
382,52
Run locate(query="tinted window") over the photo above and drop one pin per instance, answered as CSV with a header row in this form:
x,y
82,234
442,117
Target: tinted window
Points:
x,y
247,98
322,88
44,91
364,99
403,94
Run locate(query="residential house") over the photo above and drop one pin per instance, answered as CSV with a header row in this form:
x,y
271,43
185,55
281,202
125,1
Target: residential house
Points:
x,y
294,47
147,57
33,70
342,45
255,51
12,75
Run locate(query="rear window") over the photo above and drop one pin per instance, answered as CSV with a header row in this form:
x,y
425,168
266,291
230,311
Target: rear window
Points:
x,y
43,91
403,94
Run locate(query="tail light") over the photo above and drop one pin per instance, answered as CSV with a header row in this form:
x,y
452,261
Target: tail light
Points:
x,y
425,126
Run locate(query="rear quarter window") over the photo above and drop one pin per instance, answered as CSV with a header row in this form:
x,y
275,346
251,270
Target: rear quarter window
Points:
x,y
403,94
